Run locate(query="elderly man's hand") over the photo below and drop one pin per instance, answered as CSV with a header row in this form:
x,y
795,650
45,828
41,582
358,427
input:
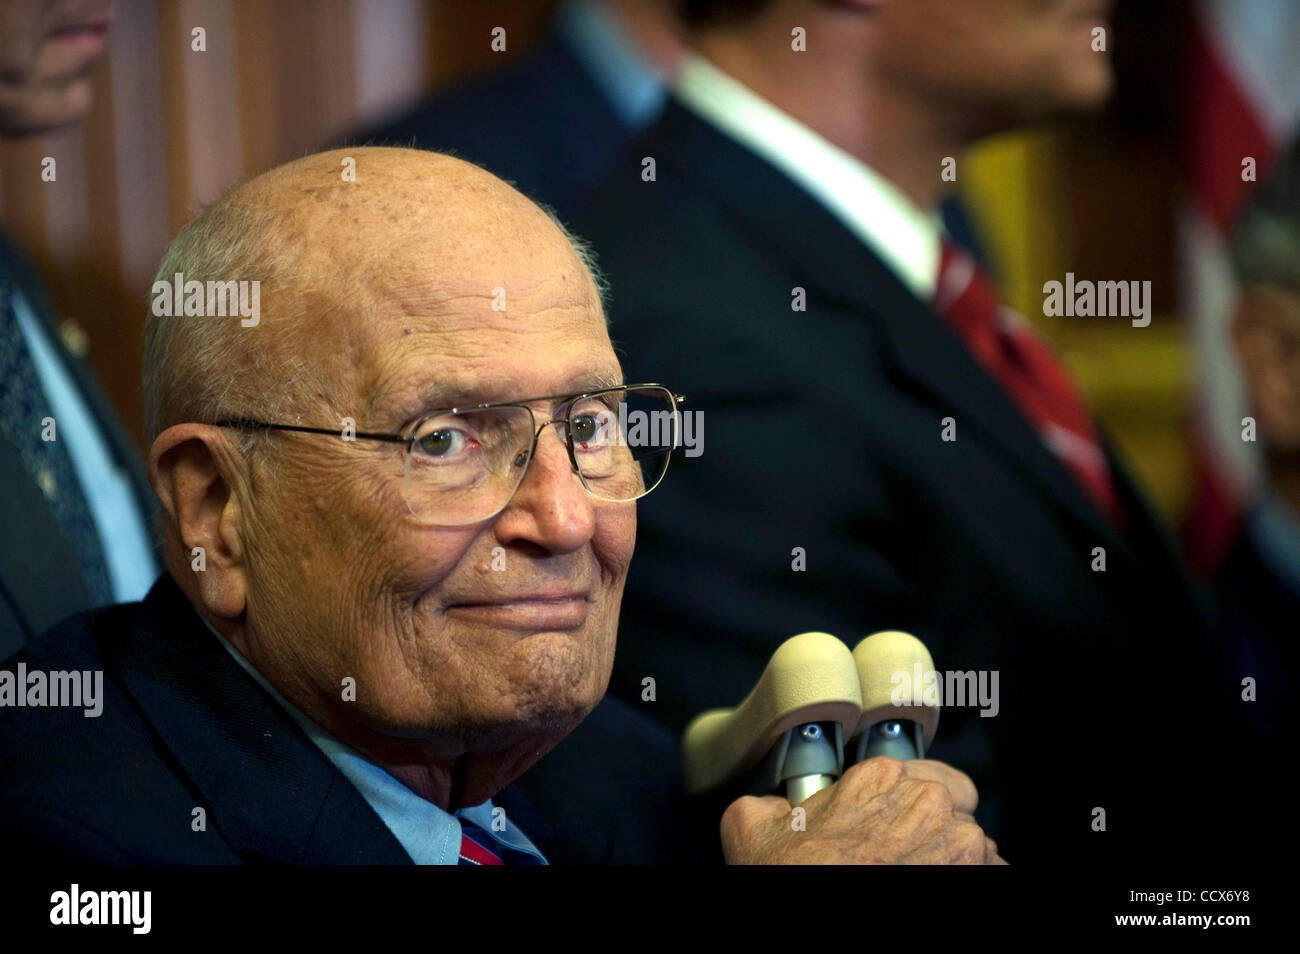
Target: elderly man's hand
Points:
x,y
882,811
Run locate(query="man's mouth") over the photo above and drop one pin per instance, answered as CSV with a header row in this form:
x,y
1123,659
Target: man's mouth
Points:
x,y
81,37
533,612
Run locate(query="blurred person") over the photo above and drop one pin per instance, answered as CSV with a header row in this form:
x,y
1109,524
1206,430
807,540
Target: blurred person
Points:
x,y
1259,583
886,446
555,120
555,123
74,527
364,637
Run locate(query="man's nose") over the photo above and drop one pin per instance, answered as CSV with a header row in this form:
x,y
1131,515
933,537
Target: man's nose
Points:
x,y
551,507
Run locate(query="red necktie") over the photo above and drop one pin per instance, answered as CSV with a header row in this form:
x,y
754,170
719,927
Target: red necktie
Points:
x,y
1023,364
474,849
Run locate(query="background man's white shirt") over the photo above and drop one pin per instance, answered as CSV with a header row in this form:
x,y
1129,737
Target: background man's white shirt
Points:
x,y
904,237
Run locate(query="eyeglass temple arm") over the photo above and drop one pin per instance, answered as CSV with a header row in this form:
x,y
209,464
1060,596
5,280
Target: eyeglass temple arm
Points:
x,y
366,435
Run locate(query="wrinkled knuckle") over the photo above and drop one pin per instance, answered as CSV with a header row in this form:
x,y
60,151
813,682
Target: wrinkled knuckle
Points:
x,y
880,772
966,843
933,797
967,793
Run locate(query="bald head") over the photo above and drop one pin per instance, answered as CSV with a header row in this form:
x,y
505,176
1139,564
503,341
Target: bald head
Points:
x,y
332,240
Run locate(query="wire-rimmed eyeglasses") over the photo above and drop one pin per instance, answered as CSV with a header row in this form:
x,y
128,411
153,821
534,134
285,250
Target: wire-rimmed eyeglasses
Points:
x,y
464,464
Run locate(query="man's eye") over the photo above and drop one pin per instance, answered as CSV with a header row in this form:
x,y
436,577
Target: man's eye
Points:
x,y
594,430
441,443
586,428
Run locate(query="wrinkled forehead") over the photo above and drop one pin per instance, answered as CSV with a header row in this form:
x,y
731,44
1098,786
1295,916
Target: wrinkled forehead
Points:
x,y
439,324
516,340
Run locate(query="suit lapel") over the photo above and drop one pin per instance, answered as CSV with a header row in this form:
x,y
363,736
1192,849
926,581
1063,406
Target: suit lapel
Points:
x,y
34,580
123,449
265,786
766,203
526,816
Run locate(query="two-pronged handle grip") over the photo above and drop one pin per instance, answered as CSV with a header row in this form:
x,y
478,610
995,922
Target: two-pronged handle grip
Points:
x,y
816,708
811,678
900,698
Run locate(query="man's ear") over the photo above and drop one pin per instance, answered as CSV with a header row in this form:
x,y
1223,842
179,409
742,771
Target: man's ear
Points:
x,y
193,470
1266,334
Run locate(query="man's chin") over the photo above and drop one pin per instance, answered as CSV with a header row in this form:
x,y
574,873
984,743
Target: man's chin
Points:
x,y
1090,88
544,724
1073,96
46,113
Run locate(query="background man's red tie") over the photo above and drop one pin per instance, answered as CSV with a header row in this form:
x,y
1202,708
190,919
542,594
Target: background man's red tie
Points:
x,y
1022,363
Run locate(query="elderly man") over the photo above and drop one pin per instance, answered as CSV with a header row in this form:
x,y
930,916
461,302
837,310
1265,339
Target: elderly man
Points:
x,y
379,613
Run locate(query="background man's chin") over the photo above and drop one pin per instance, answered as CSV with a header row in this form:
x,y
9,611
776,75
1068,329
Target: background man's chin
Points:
x,y
47,113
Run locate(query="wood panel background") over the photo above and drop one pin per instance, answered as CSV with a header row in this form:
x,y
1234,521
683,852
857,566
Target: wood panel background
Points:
x,y
173,128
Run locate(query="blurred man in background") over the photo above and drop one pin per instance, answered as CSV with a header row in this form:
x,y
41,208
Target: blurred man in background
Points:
x,y
556,122
888,447
1259,584
74,530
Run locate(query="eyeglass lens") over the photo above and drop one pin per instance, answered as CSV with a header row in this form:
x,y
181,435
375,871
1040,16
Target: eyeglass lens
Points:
x,y
464,467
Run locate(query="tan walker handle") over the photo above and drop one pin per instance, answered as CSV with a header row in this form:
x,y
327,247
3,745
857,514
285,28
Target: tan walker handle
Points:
x,y
811,677
887,664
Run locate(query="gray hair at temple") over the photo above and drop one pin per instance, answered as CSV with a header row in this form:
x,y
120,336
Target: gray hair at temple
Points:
x,y
1266,240
202,370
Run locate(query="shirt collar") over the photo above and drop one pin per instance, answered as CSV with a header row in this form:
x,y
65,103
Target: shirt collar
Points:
x,y
633,87
429,835
1275,528
876,211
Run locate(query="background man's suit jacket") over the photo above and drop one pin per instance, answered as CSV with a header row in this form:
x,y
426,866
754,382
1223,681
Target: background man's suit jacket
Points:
x,y
822,433
542,124
39,580
1260,609
545,125
183,726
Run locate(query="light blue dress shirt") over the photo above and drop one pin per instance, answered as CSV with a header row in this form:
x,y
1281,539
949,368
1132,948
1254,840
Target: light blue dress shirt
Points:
x,y
122,528
1275,529
634,88
429,835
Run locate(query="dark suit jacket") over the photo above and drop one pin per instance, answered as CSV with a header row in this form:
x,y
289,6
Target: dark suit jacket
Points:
x,y
183,726
1260,611
542,124
822,431
39,582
